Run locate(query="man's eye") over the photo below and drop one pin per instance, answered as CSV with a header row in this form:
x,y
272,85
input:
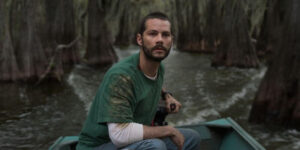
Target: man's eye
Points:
x,y
152,33
166,34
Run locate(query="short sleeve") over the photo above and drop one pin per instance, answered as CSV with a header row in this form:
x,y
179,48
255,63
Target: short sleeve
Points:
x,y
118,100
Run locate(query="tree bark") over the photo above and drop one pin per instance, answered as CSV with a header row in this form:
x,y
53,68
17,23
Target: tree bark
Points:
x,y
211,29
189,34
99,45
271,27
32,31
8,63
61,29
124,36
236,48
278,99
31,58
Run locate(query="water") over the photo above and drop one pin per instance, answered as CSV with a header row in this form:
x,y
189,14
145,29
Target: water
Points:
x,y
33,117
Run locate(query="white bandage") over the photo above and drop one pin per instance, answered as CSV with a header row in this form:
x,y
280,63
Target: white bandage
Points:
x,y
122,134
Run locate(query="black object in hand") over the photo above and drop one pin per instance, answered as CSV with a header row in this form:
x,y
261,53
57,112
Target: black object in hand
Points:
x,y
172,106
161,114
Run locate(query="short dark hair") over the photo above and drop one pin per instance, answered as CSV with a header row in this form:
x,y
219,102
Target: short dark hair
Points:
x,y
153,15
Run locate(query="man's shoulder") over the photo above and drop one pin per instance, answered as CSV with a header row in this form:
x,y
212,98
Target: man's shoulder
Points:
x,y
127,66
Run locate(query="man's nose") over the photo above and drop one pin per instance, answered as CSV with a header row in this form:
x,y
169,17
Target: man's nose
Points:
x,y
159,39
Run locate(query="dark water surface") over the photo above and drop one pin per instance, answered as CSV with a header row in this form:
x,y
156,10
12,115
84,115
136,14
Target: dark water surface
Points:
x,y
33,117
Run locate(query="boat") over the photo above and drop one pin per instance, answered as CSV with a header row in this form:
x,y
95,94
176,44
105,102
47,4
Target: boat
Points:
x,y
220,134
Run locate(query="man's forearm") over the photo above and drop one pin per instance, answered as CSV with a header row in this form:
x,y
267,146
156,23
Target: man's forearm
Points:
x,y
158,131
164,131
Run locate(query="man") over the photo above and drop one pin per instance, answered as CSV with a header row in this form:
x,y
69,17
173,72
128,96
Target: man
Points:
x,y
127,100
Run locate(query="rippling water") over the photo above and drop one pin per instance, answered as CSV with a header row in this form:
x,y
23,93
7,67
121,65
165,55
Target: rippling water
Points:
x,y
33,117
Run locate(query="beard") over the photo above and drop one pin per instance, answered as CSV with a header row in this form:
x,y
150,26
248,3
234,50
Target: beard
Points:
x,y
148,52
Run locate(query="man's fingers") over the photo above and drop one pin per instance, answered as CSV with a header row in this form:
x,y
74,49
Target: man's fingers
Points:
x,y
173,107
178,139
176,105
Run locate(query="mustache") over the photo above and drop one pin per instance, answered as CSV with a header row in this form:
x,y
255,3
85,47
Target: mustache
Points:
x,y
160,47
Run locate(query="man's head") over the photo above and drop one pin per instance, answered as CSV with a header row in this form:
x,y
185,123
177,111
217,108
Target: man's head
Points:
x,y
154,15
155,36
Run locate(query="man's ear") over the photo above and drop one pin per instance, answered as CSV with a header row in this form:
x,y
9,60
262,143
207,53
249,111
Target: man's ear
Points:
x,y
139,39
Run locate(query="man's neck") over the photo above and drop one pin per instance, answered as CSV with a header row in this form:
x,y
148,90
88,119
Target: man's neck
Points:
x,y
148,67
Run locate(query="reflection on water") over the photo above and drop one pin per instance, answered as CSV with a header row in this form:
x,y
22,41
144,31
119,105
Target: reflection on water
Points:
x,y
36,116
32,118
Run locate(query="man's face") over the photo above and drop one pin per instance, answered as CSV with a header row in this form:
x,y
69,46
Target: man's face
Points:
x,y
156,40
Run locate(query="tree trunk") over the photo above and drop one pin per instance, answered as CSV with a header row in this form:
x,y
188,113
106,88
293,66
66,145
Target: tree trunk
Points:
x,y
28,41
8,64
189,33
236,48
61,29
31,58
212,25
124,37
278,98
273,21
99,46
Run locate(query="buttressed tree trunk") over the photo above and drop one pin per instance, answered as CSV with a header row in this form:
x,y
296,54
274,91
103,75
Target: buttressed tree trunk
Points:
x,y
212,25
124,35
189,27
61,29
99,45
236,49
8,63
271,27
29,52
26,48
278,98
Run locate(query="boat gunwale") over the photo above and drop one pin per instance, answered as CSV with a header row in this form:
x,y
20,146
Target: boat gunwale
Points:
x,y
228,124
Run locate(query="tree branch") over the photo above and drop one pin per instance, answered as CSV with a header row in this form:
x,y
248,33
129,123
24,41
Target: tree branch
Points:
x,y
57,51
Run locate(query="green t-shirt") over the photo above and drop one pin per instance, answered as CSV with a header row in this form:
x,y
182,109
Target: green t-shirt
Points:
x,y
125,95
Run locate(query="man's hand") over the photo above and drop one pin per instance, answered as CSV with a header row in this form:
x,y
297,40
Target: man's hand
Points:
x,y
163,132
178,139
171,100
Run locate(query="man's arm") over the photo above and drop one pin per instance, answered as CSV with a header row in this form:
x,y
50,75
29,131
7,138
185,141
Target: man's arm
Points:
x,y
122,134
164,131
